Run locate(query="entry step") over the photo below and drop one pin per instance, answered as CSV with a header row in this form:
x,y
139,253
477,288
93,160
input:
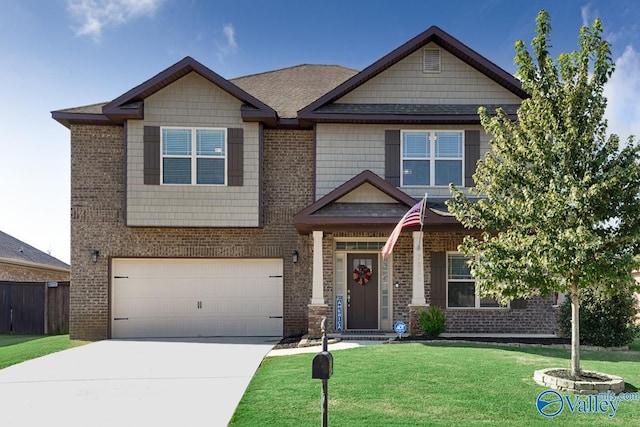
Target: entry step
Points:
x,y
363,335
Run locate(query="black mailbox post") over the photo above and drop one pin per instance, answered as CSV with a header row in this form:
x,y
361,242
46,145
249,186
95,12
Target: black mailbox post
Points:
x,y
322,369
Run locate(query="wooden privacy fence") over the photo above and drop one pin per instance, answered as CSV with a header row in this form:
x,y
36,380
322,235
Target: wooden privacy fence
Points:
x,y
34,308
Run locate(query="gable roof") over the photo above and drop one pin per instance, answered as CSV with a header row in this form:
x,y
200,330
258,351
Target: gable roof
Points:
x,y
289,89
301,95
14,250
315,112
130,105
328,214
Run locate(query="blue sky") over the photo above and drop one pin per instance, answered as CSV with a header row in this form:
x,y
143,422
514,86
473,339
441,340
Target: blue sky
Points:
x,y
56,54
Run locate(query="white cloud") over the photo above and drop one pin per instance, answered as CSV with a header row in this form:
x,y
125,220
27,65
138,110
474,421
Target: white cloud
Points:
x,y
585,13
228,45
95,15
229,34
622,92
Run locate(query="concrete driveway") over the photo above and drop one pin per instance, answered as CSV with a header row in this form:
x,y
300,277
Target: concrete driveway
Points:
x,y
132,383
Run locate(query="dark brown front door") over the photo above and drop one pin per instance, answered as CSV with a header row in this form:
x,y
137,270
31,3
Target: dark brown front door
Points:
x,y
362,291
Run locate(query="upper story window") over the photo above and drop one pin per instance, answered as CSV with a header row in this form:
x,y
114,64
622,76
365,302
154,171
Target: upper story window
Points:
x,y
432,158
461,285
194,156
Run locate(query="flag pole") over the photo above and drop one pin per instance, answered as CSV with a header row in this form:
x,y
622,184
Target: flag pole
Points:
x,y
423,209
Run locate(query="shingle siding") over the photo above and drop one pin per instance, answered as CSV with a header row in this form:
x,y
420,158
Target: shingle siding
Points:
x,y
192,101
345,150
97,222
406,83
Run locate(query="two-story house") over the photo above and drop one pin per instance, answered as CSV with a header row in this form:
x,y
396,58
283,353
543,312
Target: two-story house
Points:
x,y
202,206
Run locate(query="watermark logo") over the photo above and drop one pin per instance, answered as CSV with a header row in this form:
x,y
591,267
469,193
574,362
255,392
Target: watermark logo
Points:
x,y
550,403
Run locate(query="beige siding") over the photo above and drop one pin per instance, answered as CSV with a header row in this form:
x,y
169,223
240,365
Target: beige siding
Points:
x,y
192,101
345,150
366,193
406,83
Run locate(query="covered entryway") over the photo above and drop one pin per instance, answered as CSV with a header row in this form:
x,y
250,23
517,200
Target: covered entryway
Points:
x,y
196,297
362,291
357,217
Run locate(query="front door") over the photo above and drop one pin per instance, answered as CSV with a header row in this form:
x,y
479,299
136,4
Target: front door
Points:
x,y
362,291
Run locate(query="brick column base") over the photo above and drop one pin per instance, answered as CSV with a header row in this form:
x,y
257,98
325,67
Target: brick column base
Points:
x,y
316,314
414,320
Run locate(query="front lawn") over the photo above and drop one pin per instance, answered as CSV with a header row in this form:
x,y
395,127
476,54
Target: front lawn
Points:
x,y
18,348
416,384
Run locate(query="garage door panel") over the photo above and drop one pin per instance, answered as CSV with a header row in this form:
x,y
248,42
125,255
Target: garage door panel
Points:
x,y
196,297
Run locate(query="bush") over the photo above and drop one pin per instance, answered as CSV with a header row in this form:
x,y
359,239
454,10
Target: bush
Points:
x,y
606,319
432,321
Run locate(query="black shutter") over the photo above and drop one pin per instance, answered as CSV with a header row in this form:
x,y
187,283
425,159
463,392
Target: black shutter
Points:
x,y
518,304
392,157
471,155
439,279
235,145
151,139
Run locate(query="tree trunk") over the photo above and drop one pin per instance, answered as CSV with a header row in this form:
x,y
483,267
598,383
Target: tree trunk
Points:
x,y
575,331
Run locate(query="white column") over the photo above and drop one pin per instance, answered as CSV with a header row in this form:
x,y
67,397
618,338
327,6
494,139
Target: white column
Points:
x,y
317,293
418,270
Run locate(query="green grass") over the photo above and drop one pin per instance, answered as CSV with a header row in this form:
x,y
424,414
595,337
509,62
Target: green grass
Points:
x,y
19,348
425,384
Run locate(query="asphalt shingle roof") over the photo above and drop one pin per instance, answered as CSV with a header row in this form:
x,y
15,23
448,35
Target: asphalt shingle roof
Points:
x,y
291,89
409,109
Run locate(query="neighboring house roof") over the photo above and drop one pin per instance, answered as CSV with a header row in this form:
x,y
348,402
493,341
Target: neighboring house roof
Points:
x,y
334,215
14,251
290,89
323,108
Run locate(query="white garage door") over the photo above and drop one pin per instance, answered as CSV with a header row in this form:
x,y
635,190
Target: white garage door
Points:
x,y
196,297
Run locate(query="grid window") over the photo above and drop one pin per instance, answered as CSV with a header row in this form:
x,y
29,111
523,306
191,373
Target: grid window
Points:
x,y
461,286
432,158
194,156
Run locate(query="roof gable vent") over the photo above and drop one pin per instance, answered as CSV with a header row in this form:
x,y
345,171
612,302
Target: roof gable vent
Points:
x,y
431,61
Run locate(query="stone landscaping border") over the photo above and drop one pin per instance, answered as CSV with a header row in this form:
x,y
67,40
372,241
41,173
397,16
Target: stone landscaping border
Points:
x,y
545,377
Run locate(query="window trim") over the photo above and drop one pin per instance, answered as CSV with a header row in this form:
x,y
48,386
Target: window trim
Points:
x,y
432,157
194,155
477,297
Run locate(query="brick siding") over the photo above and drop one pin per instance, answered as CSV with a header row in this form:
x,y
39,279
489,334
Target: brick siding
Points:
x,y
538,317
21,273
97,222
97,209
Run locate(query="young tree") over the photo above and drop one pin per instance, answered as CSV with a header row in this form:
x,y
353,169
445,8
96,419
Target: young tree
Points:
x,y
556,198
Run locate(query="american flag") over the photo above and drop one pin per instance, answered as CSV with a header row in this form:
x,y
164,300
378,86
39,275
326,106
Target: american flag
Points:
x,y
413,217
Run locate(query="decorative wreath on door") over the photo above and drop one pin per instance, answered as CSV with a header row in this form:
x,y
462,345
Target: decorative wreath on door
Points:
x,y
362,274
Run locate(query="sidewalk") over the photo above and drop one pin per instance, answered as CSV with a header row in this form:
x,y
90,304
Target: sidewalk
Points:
x,y
342,345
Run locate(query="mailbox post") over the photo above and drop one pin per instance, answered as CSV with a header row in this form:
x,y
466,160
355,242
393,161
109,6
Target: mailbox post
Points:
x,y
322,368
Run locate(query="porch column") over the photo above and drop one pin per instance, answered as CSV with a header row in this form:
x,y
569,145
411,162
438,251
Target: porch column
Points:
x,y
418,301
317,294
317,309
418,270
